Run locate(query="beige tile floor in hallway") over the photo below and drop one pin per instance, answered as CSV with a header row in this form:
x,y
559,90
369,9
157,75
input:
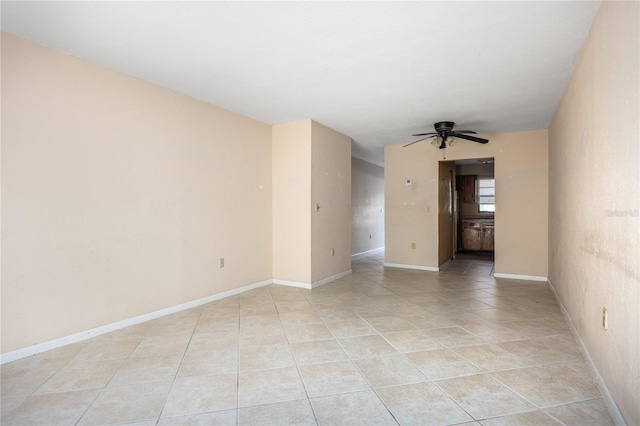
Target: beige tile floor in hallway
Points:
x,y
380,346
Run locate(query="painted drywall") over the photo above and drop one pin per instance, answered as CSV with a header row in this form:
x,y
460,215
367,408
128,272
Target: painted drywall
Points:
x,y
119,197
594,200
411,221
292,201
311,202
367,206
480,169
521,172
330,203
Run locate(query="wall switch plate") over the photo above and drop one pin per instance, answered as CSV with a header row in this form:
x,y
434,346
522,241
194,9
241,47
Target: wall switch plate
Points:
x,y
222,262
333,252
413,246
605,319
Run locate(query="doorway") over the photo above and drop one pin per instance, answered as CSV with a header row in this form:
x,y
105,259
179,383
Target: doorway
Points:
x,y
466,222
446,201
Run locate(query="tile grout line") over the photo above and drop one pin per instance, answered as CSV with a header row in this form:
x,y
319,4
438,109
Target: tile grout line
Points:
x,y
109,381
403,290
175,377
238,363
304,387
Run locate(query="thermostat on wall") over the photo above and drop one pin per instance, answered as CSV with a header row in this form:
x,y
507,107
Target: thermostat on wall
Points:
x,y
408,182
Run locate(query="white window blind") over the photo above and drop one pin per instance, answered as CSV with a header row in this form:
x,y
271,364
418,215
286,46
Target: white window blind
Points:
x,y
486,194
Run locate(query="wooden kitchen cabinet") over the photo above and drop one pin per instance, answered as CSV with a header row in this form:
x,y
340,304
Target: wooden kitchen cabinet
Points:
x,y
467,186
478,235
471,236
487,231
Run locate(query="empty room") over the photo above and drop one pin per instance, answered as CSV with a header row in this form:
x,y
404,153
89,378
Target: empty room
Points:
x,y
323,213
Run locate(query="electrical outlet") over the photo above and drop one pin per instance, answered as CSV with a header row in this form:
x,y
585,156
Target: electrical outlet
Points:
x,y
333,252
222,262
413,246
605,320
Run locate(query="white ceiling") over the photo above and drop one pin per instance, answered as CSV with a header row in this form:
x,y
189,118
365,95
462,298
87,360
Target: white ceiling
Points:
x,y
375,71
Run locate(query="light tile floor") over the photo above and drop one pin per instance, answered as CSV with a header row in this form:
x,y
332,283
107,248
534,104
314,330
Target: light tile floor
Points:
x,y
380,346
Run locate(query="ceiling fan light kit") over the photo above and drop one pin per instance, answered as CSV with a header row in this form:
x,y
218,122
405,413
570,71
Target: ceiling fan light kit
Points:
x,y
438,142
444,135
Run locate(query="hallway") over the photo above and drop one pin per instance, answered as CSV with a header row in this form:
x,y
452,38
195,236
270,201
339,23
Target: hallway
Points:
x,y
380,346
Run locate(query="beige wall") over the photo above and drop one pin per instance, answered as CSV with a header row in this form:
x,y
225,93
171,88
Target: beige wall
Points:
x,y
594,233
311,166
292,201
331,190
367,206
118,197
411,211
521,172
479,169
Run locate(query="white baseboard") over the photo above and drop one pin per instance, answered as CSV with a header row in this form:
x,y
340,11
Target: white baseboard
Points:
x,y
364,253
520,277
404,266
108,328
314,284
606,395
444,265
331,278
288,283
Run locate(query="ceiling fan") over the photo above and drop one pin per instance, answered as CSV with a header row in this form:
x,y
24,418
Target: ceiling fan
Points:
x,y
444,135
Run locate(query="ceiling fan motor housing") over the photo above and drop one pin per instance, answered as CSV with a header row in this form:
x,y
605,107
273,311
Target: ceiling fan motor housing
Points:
x,y
444,126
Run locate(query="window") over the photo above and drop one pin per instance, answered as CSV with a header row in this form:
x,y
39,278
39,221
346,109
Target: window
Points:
x,y
486,194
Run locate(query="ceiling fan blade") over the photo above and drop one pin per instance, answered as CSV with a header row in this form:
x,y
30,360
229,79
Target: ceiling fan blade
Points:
x,y
419,140
464,131
471,138
424,134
